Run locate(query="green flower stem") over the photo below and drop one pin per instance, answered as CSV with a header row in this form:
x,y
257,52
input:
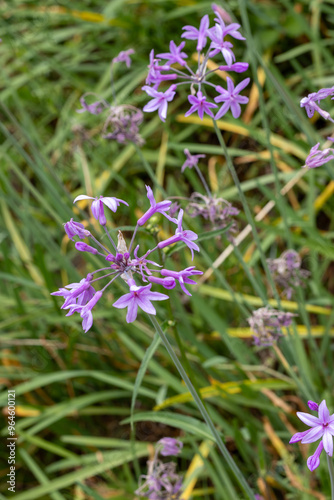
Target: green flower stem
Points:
x,y
248,213
149,170
331,474
234,468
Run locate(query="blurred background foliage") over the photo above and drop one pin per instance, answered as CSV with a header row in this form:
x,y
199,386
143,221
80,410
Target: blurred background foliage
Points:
x,y
74,390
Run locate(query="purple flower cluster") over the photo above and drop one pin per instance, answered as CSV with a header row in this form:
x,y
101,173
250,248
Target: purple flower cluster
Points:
x,y
213,40
82,297
218,211
122,122
161,481
321,427
287,273
317,157
267,323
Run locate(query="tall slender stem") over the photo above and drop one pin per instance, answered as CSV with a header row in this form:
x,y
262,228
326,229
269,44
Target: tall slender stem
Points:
x,y
331,474
110,238
206,187
204,412
247,210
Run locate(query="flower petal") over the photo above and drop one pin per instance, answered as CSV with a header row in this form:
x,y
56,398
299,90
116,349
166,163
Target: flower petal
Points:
x,y
323,412
83,197
132,311
328,442
310,420
123,301
313,434
110,203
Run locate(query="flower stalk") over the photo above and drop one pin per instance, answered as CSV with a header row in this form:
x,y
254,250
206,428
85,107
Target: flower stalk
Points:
x,y
204,412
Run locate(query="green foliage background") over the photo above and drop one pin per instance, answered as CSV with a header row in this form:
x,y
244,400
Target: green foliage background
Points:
x,y
74,390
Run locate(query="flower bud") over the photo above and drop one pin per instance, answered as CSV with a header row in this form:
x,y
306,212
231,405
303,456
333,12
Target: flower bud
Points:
x,y
83,247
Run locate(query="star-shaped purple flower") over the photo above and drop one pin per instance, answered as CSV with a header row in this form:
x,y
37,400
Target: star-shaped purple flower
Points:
x,y
124,56
200,105
192,33
191,161
186,236
322,427
231,28
85,311
76,293
175,55
231,98
160,207
97,206
139,296
218,44
160,100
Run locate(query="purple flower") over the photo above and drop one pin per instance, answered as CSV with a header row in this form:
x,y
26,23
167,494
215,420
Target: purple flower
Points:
x,y
222,12
191,33
139,296
175,55
97,206
191,161
312,405
85,311
83,247
238,67
311,103
231,98
95,108
168,283
161,481
154,71
160,207
200,104
180,235
124,56
122,124
231,29
160,100
170,446
76,293
218,44
140,263
73,228
322,427
217,210
317,157
287,273
182,277
267,324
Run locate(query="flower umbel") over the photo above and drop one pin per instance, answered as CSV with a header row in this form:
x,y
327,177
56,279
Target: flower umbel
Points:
x,y
161,481
161,69
287,273
267,325
321,427
120,263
